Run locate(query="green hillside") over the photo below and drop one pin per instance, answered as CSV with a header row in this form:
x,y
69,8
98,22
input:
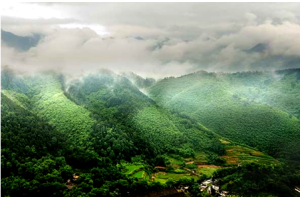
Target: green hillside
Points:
x,y
115,101
27,142
50,103
102,127
43,95
139,81
222,103
279,89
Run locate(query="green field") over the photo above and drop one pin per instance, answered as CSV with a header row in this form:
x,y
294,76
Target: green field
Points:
x,y
207,171
131,168
139,174
200,157
164,177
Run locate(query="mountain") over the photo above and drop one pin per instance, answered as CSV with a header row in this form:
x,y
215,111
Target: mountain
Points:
x,y
259,48
30,152
114,100
139,81
260,109
117,140
82,108
21,43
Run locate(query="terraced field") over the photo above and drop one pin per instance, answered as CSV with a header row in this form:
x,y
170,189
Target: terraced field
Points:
x,y
234,155
164,177
135,170
207,170
140,174
132,168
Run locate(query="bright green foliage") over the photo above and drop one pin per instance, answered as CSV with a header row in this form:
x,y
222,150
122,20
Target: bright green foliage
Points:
x,y
114,100
19,98
23,131
37,160
216,101
104,128
139,174
110,97
164,177
26,143
168,130
131,168
37,177
208,171
158,128
50,103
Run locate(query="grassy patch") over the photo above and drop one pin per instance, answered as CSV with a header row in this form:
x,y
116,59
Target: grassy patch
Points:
x,y
163,177
175,162
139,174
179,171
131,168
200,157
20,99
207,171
224,141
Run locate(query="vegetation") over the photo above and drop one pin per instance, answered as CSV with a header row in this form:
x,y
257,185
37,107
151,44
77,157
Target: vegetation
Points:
x,y
255,179
114,101
50,103
240,106
103,128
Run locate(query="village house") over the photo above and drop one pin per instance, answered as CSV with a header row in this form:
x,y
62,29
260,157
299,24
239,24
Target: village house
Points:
x,y
75,176
212,187
182,188
223,193
70,183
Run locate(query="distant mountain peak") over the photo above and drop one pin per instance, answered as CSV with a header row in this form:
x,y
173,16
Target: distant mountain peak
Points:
x,y
21,43
259,48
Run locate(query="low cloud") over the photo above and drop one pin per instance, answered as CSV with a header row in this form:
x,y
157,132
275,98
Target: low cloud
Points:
x,y
172,39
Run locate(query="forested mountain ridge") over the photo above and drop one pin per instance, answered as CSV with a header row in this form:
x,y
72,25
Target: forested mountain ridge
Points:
x,y
104,128
139,81
256,108
116,101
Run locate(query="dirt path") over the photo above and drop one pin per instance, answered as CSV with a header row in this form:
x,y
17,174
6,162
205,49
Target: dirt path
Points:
x,y
209,166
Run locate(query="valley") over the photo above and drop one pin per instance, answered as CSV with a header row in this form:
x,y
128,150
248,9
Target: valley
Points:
x,y
121,141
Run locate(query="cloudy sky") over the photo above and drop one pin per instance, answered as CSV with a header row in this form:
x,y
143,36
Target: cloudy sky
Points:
x,y
154,39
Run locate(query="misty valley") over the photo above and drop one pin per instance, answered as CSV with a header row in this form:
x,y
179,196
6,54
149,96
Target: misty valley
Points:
x,y
105,133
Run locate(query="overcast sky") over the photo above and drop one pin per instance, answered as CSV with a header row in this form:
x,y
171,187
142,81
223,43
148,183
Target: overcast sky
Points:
x,y
155,39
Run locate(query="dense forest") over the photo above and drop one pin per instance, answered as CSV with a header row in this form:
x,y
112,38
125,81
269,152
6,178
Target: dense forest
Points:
x,y
260,109
104,136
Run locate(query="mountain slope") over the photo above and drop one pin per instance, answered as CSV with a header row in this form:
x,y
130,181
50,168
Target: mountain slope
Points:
x,y
27,142
110,133
50,103
105,101
114,100
19,42
216,100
